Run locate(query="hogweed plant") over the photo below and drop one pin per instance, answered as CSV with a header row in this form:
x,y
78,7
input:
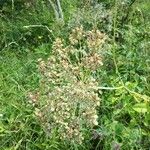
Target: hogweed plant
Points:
x,y
67,96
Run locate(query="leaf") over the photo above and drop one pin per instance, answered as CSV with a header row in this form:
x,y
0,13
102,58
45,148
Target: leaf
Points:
x,y
1,129
140,108
144,97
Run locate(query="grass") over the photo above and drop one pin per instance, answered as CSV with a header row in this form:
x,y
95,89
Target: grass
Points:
x,y
122,123
17,75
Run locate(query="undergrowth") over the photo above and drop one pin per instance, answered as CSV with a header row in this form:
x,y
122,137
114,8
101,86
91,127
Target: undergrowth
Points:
x,y
122,118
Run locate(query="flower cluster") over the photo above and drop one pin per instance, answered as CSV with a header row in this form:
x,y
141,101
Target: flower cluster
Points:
x,y
68,97
95,39
92,62
76,35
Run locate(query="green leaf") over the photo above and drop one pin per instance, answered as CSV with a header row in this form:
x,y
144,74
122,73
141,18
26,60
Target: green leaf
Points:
x,y
1,129
140,108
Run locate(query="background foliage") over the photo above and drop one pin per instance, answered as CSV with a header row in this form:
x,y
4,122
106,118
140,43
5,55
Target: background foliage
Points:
x,y
124,113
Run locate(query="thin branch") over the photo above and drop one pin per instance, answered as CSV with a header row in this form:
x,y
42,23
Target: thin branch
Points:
x,y
9,44
55,9
110,88
43,26
60,9
34,26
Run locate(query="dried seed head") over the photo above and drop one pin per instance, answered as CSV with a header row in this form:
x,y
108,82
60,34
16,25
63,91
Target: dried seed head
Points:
x,y
95,39
76,35
68,97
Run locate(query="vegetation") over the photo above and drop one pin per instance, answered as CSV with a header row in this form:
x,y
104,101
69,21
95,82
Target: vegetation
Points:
x,y
75,74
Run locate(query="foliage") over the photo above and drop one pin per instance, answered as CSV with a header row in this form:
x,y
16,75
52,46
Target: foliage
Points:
x,y
14,16
124,78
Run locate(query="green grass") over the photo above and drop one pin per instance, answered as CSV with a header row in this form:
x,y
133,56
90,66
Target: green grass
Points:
x,y
18,74
121,122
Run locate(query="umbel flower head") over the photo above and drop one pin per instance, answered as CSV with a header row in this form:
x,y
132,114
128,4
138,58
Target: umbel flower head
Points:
x,y
68,94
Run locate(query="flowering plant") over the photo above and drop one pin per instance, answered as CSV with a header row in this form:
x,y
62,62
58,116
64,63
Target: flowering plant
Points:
x,y
67,97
